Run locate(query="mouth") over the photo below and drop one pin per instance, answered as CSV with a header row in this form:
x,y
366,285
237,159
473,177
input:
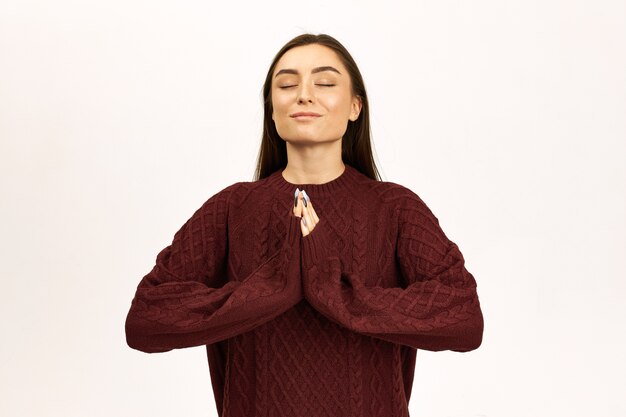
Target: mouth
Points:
x,y
305,115
305,118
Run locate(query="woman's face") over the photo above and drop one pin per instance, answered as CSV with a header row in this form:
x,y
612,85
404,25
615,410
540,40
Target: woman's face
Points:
x,y
311,78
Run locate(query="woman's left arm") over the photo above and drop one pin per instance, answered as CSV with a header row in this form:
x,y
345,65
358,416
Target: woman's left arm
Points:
x,y
438,310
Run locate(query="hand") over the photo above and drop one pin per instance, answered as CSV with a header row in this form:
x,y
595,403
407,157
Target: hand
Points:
x,y
307,212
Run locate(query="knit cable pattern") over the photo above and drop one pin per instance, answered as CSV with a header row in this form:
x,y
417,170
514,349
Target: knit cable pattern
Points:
x,y
323,325
184,302
438,310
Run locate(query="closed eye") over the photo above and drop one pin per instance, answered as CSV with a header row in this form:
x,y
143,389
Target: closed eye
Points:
x,y
323,85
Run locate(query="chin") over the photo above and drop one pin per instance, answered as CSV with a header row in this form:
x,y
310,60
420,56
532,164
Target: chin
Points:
x,y
306,138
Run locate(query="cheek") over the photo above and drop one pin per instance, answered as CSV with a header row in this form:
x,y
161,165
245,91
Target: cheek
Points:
x,y
280,103
336,102
337,106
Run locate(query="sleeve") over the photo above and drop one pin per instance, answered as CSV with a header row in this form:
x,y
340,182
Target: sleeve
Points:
x,y
186,299
436,309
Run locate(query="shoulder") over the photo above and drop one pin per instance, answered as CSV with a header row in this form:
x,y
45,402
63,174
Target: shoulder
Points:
x,y
406,204
398,196
247,194
240,190
218,202
224,194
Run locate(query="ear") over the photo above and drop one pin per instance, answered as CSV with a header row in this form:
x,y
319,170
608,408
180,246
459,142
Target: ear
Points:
x,y
357,105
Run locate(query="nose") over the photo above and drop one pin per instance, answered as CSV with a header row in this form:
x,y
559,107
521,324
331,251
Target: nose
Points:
x,y
304,94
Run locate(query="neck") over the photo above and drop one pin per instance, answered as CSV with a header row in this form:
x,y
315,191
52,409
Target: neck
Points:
x,y
330,182
312,175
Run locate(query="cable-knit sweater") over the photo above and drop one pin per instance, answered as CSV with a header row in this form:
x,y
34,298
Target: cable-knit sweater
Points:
x,y
317,326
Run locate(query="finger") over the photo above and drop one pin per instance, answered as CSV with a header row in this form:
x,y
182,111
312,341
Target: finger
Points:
x,y
304,227
300,206
304,224
311,211
297,210
316,219
307,203
308,218
294,207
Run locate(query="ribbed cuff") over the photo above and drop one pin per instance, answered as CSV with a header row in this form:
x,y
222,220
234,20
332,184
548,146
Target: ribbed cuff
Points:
x,y
315,245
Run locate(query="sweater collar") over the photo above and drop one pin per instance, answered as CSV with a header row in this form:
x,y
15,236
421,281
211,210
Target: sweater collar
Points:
x,y
346,178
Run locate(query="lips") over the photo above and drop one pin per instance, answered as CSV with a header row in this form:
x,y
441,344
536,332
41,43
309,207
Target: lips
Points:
x,y
305,114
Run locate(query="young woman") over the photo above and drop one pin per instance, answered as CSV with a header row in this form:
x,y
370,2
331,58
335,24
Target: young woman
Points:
x,y
312,286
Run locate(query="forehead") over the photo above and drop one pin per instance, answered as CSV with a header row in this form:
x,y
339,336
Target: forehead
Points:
x,y
305,57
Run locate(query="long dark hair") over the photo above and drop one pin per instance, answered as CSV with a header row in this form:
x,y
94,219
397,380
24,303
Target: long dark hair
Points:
x,y
356,149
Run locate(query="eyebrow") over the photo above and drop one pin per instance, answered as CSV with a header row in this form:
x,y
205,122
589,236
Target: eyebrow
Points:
x,y
313,71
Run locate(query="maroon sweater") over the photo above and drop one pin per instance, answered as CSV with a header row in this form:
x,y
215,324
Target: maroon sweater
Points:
x,y
317,326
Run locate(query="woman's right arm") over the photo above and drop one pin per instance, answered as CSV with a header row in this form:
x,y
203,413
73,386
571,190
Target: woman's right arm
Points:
x,y
186,300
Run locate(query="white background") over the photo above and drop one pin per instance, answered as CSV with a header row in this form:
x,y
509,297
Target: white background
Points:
x,y
118,119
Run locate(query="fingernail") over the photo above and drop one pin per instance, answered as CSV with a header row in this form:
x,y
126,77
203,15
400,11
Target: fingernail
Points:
x,y
303,220
295,197
306,196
